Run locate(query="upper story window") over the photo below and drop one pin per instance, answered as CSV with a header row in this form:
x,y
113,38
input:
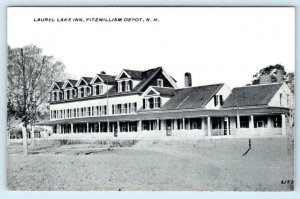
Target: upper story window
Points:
x,y
119,86
218,100
152,103
160,82
98,89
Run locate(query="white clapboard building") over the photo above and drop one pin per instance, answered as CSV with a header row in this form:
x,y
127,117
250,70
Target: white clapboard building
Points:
x,y
149,104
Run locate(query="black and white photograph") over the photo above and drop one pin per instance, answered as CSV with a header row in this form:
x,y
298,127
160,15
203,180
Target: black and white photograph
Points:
x,y
150,98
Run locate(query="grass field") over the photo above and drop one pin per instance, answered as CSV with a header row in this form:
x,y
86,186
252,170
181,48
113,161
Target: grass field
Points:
x,y
162,165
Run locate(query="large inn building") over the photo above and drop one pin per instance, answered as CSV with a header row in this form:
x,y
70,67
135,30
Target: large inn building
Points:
x,y
149,104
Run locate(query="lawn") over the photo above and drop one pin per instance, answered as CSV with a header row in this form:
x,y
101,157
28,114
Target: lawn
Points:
x,y
160,165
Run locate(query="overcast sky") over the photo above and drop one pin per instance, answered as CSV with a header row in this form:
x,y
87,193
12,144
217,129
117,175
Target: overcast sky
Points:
x,y
217,45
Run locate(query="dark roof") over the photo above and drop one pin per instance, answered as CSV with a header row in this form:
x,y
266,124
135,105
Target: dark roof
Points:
x,y
73,81
192,97
147,76
87,79
110,79
59,84
173,115
251,95
135,74
164,91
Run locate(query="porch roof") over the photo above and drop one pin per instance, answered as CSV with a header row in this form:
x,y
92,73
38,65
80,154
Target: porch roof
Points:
x,y
173,115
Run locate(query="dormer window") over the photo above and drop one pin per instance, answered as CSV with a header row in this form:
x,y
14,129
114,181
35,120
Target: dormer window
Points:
x,y
160,82
127,86
98,90
80,92
119,86
218,100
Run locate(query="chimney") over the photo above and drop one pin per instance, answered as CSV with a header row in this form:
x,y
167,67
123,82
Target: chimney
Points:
x,y
187,80
265,79
279,73
102,72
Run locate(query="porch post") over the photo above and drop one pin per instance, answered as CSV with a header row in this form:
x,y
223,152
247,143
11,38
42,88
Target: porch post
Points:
x,y
87,127
238,122
208,127
188,123
157,125
175,124
58,129
252,123
283,124
72,130
118,126
139,126
203,127
183,123
99,127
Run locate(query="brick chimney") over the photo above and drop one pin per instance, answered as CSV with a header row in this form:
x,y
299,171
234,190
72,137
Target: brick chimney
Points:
x,y
187,80
279,73
265,79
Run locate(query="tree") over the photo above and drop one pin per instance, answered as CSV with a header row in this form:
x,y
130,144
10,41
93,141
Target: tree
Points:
x,y
288,78
30,76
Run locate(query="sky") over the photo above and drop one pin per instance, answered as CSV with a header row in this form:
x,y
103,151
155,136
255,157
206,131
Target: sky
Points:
x,y
216,45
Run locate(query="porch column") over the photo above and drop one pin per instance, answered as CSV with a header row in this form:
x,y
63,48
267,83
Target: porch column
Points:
x,y
72,128
99,127
63,129
283,124
269,122
203,127
208,127
175,124
238,122
87,127
58,129
227,125
183,123
188,123
252,123
157,125
139,126
118,127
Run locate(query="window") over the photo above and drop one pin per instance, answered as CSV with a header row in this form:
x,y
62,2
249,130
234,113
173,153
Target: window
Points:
x,y
57,96
80,92
160,82
280,99
74,112
133,107
85,91
89,111
157,102
218,100
195,123
54,96
127,86
119,86
277,121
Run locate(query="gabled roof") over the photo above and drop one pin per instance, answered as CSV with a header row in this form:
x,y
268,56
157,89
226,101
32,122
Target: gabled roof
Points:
x,y
147,76
134,74
87,80
58,84
110,79
71,81
164,91
192,97
251,95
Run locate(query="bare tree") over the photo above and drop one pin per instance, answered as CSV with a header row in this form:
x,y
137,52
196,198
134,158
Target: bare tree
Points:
x,y
30,76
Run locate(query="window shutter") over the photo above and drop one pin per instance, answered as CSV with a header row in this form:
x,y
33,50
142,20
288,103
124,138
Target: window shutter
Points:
x,y
144,103
215,100
221,100
158,102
